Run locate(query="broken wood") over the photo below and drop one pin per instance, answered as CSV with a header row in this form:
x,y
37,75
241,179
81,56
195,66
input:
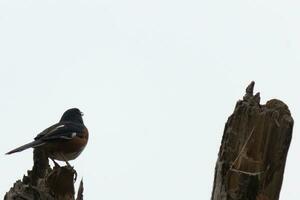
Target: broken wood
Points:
x,y
45,183
253,151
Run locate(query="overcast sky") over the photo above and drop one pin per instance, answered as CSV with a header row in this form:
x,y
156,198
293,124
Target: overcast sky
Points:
x,y
156,81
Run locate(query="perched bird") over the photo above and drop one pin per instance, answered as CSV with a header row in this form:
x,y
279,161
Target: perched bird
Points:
x,y
62,141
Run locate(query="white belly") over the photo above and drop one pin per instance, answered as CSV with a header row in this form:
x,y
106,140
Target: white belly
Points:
x,y
68,156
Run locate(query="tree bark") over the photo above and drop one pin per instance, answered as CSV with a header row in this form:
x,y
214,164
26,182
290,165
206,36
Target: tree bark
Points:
x,y
253,151
45,183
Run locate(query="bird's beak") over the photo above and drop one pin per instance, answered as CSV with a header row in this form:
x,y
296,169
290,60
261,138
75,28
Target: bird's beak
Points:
x,y
81,113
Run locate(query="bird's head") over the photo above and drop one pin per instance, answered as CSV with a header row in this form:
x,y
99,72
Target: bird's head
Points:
x,y
73,115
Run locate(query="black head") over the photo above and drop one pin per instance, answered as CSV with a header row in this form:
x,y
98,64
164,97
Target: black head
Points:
x,y
73,115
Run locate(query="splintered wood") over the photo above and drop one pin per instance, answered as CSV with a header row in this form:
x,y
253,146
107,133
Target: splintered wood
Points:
x,y
46,183
253,151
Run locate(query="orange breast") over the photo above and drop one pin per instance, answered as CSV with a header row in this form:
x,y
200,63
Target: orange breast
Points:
x,y
67,147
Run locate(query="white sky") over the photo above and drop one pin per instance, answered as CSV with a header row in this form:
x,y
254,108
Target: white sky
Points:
x,y
155,79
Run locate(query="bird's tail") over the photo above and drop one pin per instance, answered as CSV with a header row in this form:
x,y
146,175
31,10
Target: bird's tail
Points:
x,y
26,146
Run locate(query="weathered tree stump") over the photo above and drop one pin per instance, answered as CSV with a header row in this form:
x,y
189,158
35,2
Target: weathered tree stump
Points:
x,y
45,183
253,151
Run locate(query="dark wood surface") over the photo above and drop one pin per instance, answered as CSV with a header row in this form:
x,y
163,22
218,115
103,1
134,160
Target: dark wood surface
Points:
x,y
253,150
45,183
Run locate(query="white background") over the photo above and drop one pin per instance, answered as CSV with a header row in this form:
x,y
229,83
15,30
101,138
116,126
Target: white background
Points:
x,y
155,79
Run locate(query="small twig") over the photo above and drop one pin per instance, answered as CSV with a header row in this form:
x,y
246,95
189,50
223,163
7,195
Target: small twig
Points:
x,y
240,153
80,191
248,173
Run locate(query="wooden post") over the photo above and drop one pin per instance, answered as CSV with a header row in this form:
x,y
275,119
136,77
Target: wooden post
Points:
x,y
253,151
45,183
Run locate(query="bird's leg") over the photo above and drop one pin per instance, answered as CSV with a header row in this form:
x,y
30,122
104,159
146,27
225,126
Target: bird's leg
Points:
x,y
55,163
68,164
64,158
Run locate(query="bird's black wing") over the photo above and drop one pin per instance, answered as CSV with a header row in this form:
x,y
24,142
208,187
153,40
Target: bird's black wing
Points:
x,y
62,130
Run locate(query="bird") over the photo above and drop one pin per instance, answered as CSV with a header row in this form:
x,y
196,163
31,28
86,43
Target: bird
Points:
x,y
62,141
